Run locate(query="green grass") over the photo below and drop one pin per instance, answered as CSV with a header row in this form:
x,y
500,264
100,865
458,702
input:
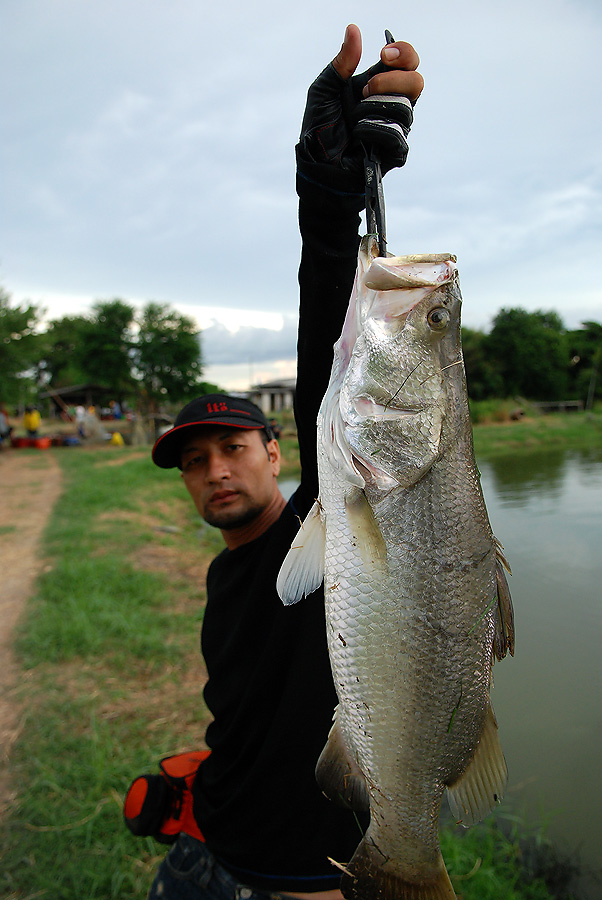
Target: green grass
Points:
x,y
569,430
111,676
69,842
95,607
503,859
93,601
111,682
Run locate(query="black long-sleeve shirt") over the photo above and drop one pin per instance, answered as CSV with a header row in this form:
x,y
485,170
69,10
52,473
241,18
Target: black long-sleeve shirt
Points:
x,y
270,687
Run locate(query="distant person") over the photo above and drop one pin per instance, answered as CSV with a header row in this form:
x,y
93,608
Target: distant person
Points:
x,y
5,427
115,409
93,427
80,415
276,429
31,421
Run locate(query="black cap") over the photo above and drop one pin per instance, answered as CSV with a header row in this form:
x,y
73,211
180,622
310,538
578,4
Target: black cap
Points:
x,y
211,409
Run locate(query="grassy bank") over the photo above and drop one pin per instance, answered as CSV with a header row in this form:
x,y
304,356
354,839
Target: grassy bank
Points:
x,y
496,433
574,430
111,682
111,674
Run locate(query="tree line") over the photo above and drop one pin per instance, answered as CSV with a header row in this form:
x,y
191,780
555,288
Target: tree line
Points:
x,y
155,355
533,355
144,357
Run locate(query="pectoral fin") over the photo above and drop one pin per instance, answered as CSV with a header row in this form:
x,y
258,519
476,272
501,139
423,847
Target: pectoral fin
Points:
x,y
366,532
302,570
481,786
339,776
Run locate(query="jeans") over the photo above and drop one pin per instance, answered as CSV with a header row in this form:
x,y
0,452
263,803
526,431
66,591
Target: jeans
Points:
x,y
190,872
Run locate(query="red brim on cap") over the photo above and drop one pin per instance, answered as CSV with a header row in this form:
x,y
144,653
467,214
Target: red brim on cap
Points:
x,y
167,451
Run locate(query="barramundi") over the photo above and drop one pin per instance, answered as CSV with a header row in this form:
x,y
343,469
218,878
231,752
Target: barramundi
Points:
x,y
417,602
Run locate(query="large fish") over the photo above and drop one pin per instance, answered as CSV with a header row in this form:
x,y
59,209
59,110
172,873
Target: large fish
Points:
x,y
417,605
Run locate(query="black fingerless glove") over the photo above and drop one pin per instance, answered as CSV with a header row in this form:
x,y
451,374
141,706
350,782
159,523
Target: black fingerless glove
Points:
x,y
383,124
338,126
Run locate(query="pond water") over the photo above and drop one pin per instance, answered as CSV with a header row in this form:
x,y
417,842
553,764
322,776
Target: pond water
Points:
x,y
546,509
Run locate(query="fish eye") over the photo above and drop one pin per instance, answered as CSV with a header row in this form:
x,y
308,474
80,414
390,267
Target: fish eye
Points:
x,y
439,318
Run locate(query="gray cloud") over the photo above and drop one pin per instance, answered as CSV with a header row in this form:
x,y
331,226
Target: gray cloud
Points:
x,y
148,148
248,344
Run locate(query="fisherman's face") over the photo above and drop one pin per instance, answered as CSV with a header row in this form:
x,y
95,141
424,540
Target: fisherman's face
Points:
x,y
229,473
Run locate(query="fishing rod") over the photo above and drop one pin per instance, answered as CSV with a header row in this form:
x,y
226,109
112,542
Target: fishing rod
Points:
x,y
375,197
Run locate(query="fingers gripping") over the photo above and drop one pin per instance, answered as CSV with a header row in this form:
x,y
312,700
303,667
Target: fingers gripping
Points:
x,y
343,115
383,123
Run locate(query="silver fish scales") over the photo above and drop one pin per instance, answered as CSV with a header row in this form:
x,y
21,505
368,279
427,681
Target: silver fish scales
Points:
x,y
417,604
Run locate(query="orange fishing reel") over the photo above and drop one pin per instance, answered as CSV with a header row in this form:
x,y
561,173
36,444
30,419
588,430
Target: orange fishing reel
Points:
x,y
161,805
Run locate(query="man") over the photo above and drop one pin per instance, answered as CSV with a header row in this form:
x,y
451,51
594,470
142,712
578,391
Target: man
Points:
x,y
5,426
266,826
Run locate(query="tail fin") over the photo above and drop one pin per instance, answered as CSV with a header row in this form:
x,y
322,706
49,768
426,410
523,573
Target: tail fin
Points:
x,y
369,877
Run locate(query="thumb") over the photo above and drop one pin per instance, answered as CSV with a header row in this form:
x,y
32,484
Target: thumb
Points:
x,y
348,57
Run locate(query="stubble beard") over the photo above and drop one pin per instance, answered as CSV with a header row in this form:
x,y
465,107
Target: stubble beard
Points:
x,y
226,519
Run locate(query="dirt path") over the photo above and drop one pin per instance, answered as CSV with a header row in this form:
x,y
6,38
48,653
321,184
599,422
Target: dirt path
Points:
x,y
30,484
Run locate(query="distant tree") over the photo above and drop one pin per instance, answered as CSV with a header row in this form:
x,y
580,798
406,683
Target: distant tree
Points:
x,y
156,354
482,373
208,387
109,345
96,348
18,349
168,358
63,353
530,351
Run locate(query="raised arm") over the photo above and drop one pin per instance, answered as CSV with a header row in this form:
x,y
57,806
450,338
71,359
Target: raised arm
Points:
x,y
330,184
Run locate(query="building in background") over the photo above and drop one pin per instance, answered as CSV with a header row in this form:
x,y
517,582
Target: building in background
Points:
x,y
273,396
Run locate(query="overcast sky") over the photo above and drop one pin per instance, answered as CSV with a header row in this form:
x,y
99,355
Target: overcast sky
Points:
x,y
147,154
